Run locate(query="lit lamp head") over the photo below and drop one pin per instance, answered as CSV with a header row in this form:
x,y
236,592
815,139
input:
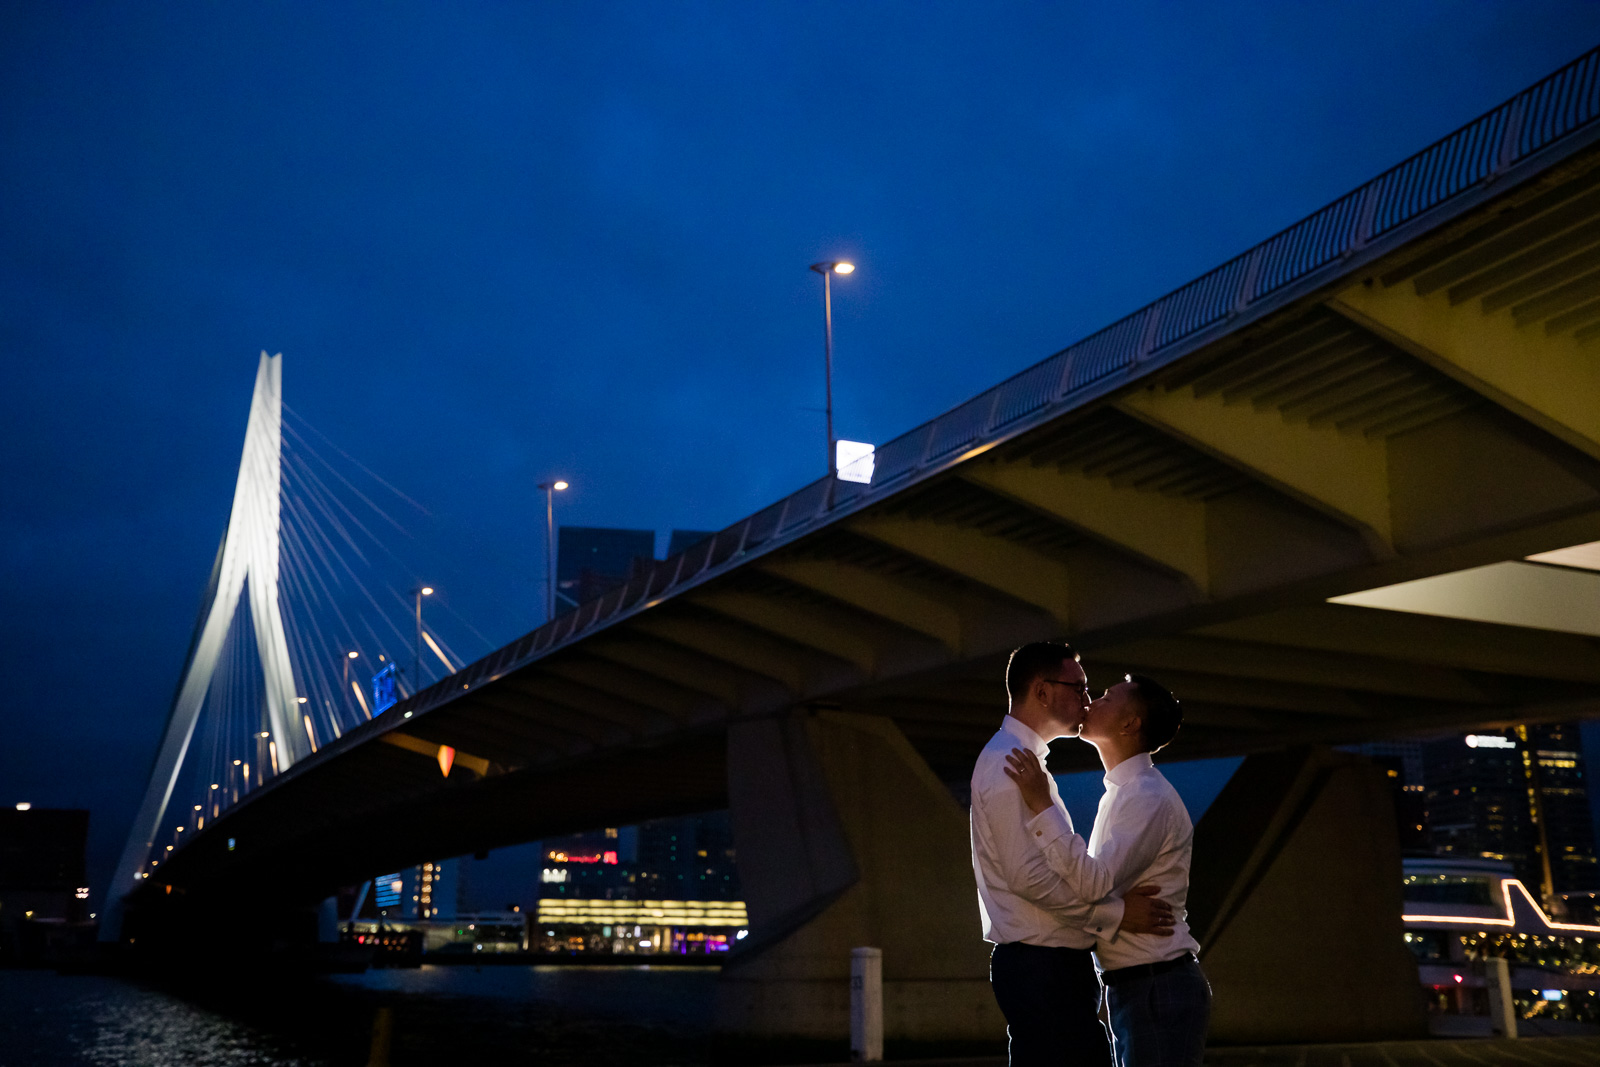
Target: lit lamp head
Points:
x,y
353,655
427,590
835,266
556,486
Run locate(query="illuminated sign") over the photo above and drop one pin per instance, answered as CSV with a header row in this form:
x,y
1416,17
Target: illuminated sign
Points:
x,y
581,857
853,460
386,890
1489,741
383,690
552,876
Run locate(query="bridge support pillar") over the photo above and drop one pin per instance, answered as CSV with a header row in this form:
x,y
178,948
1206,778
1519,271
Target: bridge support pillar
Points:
x,y
1296,896
847,839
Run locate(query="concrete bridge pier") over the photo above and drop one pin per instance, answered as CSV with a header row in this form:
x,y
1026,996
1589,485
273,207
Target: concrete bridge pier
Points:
x,y
847,839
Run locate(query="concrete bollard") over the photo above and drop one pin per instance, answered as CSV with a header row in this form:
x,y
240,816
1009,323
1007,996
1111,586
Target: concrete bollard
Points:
x,y
1502,1009
866,1005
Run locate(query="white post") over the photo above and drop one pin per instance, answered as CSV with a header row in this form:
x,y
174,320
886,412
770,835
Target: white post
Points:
x,y
866,1005
1502,1008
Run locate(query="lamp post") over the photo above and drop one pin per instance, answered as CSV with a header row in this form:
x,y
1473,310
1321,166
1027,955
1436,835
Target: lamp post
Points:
x,y
550,491
828,270
416,658
348,656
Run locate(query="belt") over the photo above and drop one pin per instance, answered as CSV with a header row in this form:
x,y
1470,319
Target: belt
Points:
x,y
1146,970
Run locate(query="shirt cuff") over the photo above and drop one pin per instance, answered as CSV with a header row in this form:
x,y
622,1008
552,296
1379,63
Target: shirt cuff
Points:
x,y
1048,826
1105,919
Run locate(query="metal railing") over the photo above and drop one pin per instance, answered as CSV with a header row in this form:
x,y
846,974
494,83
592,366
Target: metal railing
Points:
x,y
1470,158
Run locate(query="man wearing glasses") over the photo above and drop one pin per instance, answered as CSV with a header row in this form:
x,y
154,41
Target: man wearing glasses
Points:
x,y
1041,968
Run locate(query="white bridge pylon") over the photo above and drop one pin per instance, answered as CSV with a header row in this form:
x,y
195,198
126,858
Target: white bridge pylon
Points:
x,y
249,559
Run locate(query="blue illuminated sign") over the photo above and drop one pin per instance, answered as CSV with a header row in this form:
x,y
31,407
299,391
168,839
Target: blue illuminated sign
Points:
x,y
383,690
386,890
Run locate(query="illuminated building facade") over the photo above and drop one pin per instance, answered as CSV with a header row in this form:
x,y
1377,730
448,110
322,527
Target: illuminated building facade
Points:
x,y
668,885
1459,912
1519,797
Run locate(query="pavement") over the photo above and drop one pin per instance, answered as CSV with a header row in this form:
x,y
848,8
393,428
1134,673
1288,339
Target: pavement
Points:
x,y
1435,1052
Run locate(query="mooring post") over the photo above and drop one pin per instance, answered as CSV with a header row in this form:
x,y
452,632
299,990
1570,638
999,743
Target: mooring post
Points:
x,y
1502,1008
866,1005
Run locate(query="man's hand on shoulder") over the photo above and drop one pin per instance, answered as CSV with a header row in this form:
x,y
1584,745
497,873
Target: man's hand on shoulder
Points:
x,y
1024,768
1144,913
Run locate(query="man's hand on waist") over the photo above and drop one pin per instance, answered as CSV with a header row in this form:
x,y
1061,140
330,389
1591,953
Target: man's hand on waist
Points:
x,y
1144,913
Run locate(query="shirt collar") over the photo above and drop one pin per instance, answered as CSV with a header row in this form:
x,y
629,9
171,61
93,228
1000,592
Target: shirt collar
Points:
x,y
1024,733
1129,769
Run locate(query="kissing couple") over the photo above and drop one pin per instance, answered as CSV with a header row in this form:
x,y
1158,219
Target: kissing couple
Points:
x,y
1071,918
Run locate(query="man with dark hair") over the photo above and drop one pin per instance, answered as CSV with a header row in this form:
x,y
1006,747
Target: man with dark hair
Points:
x,y
1157,997
1041,927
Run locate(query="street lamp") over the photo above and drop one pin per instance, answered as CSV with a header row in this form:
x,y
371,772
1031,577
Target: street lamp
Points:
x,y
348,656
828,270
416,658
550,491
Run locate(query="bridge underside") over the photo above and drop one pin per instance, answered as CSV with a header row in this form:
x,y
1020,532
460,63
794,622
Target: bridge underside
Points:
x,y
1428,412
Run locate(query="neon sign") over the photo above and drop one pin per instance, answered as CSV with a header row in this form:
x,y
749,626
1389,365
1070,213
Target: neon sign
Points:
x,y
576,857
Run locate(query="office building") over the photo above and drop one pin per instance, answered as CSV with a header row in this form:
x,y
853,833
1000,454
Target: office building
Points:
x,y
1520,797
591,560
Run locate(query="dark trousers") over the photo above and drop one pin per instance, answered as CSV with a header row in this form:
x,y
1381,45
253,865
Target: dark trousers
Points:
x,y
1160,1021
1051,1000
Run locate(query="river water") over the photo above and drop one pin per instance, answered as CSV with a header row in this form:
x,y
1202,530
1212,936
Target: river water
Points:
x,y
442,1016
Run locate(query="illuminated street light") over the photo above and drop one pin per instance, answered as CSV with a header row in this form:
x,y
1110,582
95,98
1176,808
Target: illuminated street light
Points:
x,y
23,805
828,270
416,657
550,491
348,656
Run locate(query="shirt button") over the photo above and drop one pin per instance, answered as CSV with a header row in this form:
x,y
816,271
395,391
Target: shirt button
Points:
x,y
1038,833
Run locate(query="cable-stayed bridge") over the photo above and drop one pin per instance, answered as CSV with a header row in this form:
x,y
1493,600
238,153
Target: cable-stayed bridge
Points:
x,y
1338,489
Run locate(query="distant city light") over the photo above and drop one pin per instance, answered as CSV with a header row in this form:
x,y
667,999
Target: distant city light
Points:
x,y
81,893
1458,978
644,944
230,844
1489,741
23,805
397,885
854,461
1551,994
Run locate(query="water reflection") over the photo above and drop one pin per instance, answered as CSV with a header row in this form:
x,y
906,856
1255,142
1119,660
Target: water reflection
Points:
x,y
449,1015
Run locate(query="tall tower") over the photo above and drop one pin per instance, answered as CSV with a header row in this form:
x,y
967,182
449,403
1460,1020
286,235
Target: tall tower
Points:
x,y
248,559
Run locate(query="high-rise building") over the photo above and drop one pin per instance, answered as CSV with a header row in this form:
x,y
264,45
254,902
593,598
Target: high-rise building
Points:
x,y
682,539
1519,796
593,559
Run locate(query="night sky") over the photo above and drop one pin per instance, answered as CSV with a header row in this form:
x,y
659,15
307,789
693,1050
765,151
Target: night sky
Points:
x,y
500,242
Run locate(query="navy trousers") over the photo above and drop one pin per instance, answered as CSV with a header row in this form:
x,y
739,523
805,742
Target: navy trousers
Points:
x,y
1051,1000
1161,1021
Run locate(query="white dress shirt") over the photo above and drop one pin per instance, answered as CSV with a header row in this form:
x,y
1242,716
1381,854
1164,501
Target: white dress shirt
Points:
x,y
1142,836
1019,897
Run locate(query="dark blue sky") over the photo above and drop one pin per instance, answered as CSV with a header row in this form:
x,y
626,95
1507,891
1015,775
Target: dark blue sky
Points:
x,y
501,241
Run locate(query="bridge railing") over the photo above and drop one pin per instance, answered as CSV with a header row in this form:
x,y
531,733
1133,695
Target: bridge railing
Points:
x,y
1476,154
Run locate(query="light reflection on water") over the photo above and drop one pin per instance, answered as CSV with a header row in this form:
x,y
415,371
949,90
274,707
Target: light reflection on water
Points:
x,y
495,1014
